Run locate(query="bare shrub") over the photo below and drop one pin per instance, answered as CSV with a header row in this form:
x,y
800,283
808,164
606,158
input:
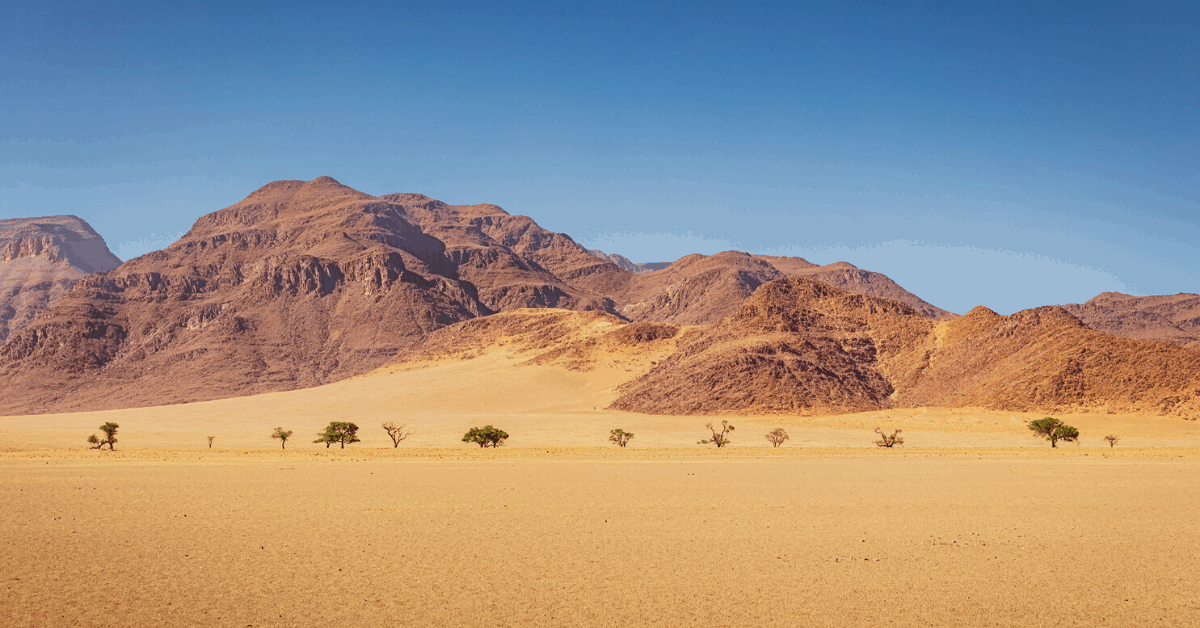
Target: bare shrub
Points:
x,y
889,440
210,440
777,436
720,440
396,432
1112,440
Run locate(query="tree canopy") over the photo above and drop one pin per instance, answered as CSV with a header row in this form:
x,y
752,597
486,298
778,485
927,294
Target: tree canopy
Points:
x,y
486,436
1054,430
338,432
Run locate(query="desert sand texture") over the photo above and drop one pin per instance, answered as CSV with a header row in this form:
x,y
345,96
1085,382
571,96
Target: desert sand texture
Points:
x,y
298,538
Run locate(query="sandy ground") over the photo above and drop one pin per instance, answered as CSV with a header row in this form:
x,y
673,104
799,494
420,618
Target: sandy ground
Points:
x,y
837,538
972,523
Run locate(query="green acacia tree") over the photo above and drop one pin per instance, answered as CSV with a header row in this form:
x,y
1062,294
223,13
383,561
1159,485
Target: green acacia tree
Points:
x,y
620,437
110,436
338,432
486,436
283,435
1054,430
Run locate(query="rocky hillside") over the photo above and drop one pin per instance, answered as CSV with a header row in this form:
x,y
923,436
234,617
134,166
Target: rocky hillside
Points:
x,y
801,346
1171,318
795,346
1046,359
40,260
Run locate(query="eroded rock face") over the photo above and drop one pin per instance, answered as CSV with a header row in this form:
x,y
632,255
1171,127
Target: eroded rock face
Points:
x,y
40,260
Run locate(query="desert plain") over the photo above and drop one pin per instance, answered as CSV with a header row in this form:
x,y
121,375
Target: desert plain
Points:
x,y
972,522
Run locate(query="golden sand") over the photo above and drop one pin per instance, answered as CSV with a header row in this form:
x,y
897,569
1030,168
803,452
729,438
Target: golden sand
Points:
x,y
830,538
972,523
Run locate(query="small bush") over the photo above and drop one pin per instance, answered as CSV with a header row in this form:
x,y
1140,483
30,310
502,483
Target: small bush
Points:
x,y
718,439
1112,440
210,440
889,440
620,437
777,436
486,436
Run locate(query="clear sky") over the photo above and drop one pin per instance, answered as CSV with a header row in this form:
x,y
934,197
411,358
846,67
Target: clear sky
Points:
x,y
1009,154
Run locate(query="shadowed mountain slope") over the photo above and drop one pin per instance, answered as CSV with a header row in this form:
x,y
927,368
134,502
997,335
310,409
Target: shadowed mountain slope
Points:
x,y
40,259
1171,318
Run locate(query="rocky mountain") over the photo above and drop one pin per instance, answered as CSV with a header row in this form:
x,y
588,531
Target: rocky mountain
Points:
x,y
1169,318
849,277
308,282
40,260
299,284
802,346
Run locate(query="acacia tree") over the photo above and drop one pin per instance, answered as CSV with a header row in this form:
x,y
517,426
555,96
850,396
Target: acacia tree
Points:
x,y
620,437
891,440
486,436
1054,430
1112,440
110,439
720,440
777,436
338,432
283,435
396,432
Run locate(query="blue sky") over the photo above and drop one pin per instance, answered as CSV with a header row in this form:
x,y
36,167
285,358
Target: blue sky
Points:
x,y
1009,154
